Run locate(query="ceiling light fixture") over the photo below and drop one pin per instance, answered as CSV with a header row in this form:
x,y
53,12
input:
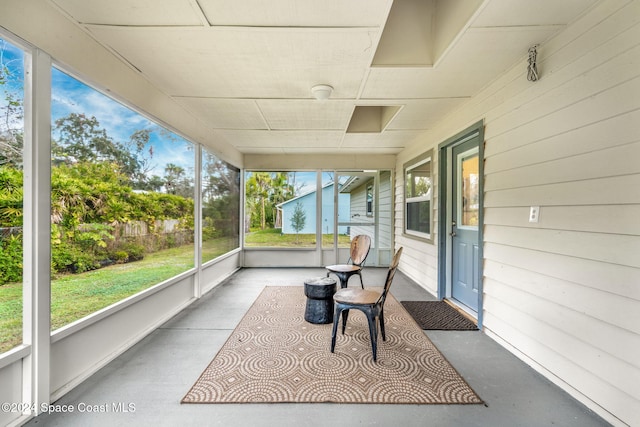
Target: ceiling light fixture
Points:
x,y
321,92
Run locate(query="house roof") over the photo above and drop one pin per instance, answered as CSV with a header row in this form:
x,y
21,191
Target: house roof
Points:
x,y
279,205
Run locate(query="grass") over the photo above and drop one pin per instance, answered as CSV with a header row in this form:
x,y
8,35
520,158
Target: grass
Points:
x,y
10,316
75,296
272,237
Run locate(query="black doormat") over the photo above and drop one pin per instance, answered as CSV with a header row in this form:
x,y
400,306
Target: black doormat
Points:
x,y
438,315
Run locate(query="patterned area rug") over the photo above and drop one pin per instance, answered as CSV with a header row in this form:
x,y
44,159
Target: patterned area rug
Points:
x,y
438,315
275,356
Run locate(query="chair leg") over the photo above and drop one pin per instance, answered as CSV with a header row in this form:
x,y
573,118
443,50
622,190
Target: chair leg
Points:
x,y
336,319
373,333
381,317
361,284
345,316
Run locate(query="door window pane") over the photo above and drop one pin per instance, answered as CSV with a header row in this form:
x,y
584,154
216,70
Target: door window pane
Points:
x,y
469,194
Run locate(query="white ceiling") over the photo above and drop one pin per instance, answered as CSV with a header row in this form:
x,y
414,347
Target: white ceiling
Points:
x,y
245,68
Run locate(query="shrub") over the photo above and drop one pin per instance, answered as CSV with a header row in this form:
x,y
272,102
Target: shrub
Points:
x,y
11,259
78,250
66,258
119,257
136,252
127,252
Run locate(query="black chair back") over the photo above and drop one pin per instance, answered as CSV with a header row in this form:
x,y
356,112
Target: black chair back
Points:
x,y
392,272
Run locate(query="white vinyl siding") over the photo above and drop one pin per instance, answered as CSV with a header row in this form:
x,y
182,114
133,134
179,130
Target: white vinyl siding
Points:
x,y
383,220
385,214
564,293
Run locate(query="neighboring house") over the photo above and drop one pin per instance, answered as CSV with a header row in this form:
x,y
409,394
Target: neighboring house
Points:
x,y
363,202
308,203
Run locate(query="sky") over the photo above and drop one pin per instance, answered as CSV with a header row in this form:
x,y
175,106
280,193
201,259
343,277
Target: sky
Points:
x,y
69,95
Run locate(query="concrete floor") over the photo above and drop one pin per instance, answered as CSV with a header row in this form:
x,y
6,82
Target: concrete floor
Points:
x,y
150,378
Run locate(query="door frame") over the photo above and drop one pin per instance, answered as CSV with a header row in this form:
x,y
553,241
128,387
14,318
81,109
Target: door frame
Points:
x,y
445,192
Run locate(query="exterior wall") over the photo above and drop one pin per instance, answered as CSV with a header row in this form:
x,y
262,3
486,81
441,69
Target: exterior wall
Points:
x,y
308,202
564,293
419,259
359,212
385,215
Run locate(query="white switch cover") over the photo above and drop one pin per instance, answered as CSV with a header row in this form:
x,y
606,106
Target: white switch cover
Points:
x,y
534,213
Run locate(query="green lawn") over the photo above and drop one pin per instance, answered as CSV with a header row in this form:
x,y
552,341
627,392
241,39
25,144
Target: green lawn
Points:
x,y
75,296
272,237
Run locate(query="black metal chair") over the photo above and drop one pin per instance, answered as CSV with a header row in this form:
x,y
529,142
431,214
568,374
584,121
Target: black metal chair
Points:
x,y
359,250
370,302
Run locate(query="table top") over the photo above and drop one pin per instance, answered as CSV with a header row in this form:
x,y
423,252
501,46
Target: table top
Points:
x,y
320,281
343,268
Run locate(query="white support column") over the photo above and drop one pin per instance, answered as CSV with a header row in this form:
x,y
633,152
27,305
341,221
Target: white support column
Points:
x,y
37,228
319,217
197,221
336,227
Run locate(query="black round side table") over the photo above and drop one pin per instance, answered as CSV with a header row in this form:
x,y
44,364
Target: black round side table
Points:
x,y
319,292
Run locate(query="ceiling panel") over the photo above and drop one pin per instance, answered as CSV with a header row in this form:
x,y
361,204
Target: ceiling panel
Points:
x,y
416,83
245,68
479,56
306,114
297,13
540,12
424,113
487,52
225,113
389,139
133,12
245,62
279,139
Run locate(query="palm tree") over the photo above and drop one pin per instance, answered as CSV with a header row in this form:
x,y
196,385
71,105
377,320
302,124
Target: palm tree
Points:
x,y
258,185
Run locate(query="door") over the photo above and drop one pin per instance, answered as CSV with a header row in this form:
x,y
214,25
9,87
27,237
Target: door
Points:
x,y
465,209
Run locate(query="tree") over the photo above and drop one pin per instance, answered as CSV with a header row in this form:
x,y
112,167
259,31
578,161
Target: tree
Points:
x,y
11,107
177,182
258,185
220,195
298,219
82,139
265,190
11,196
